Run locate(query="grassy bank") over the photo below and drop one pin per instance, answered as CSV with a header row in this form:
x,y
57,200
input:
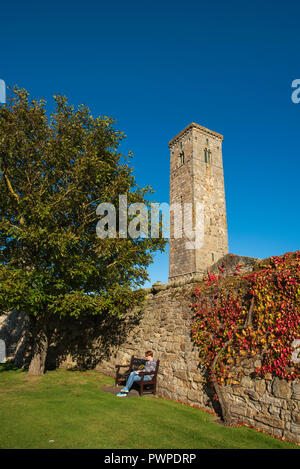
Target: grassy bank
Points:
x,y
67,409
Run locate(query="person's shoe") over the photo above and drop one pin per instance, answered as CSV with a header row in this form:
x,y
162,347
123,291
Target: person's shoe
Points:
x,y
122,394
124,390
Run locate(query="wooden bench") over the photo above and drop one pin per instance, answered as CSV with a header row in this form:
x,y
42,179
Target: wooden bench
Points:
x,y
134,365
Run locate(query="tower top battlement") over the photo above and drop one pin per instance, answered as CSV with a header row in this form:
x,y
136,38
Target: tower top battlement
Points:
x,y
192,125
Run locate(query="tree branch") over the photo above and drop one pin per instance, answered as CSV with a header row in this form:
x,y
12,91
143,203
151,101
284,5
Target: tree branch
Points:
x,y
13,193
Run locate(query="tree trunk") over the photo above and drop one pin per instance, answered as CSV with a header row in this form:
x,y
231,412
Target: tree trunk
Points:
x,y
40,348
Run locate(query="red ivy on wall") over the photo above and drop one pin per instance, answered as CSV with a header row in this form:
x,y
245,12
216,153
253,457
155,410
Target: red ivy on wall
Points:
x,y
223,327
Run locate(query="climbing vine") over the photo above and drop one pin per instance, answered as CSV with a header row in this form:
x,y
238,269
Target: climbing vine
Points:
x,y
250,315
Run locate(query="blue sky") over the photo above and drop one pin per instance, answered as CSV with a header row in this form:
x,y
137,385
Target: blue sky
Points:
x,y
157,66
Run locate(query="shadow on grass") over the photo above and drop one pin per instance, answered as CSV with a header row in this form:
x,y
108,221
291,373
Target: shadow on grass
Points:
x,y
9,366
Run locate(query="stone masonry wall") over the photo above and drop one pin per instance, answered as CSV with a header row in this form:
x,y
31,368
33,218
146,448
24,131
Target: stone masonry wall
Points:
x,y
164,326
165,329
272,404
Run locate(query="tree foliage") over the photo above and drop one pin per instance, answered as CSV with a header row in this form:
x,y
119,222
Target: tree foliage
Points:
x,y
54,171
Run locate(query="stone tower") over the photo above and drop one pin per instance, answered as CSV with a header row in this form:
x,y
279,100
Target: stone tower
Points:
x,y
196,180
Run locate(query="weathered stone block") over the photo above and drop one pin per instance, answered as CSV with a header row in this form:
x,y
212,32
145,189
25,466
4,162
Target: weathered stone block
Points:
x,y
269,420
281,388
238,410
247,382
260,386
293,437
193,395
296,390
180,374
275,411
295,429
296,418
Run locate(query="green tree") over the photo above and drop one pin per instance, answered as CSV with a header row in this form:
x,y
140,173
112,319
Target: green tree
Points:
x,y
54,171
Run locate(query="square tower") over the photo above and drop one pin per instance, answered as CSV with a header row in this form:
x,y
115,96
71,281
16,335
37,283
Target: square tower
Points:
x,y
196,180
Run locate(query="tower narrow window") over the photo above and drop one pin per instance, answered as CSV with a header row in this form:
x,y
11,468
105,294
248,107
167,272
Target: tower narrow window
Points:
x,y
207,156
181,157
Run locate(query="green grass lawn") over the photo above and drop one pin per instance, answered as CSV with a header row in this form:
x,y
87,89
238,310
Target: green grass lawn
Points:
x,y
70,408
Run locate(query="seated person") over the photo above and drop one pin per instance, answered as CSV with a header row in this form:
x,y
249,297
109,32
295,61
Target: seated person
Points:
x,y
134,375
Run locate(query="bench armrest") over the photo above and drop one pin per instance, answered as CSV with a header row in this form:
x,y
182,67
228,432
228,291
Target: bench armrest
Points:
x,y
144,373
